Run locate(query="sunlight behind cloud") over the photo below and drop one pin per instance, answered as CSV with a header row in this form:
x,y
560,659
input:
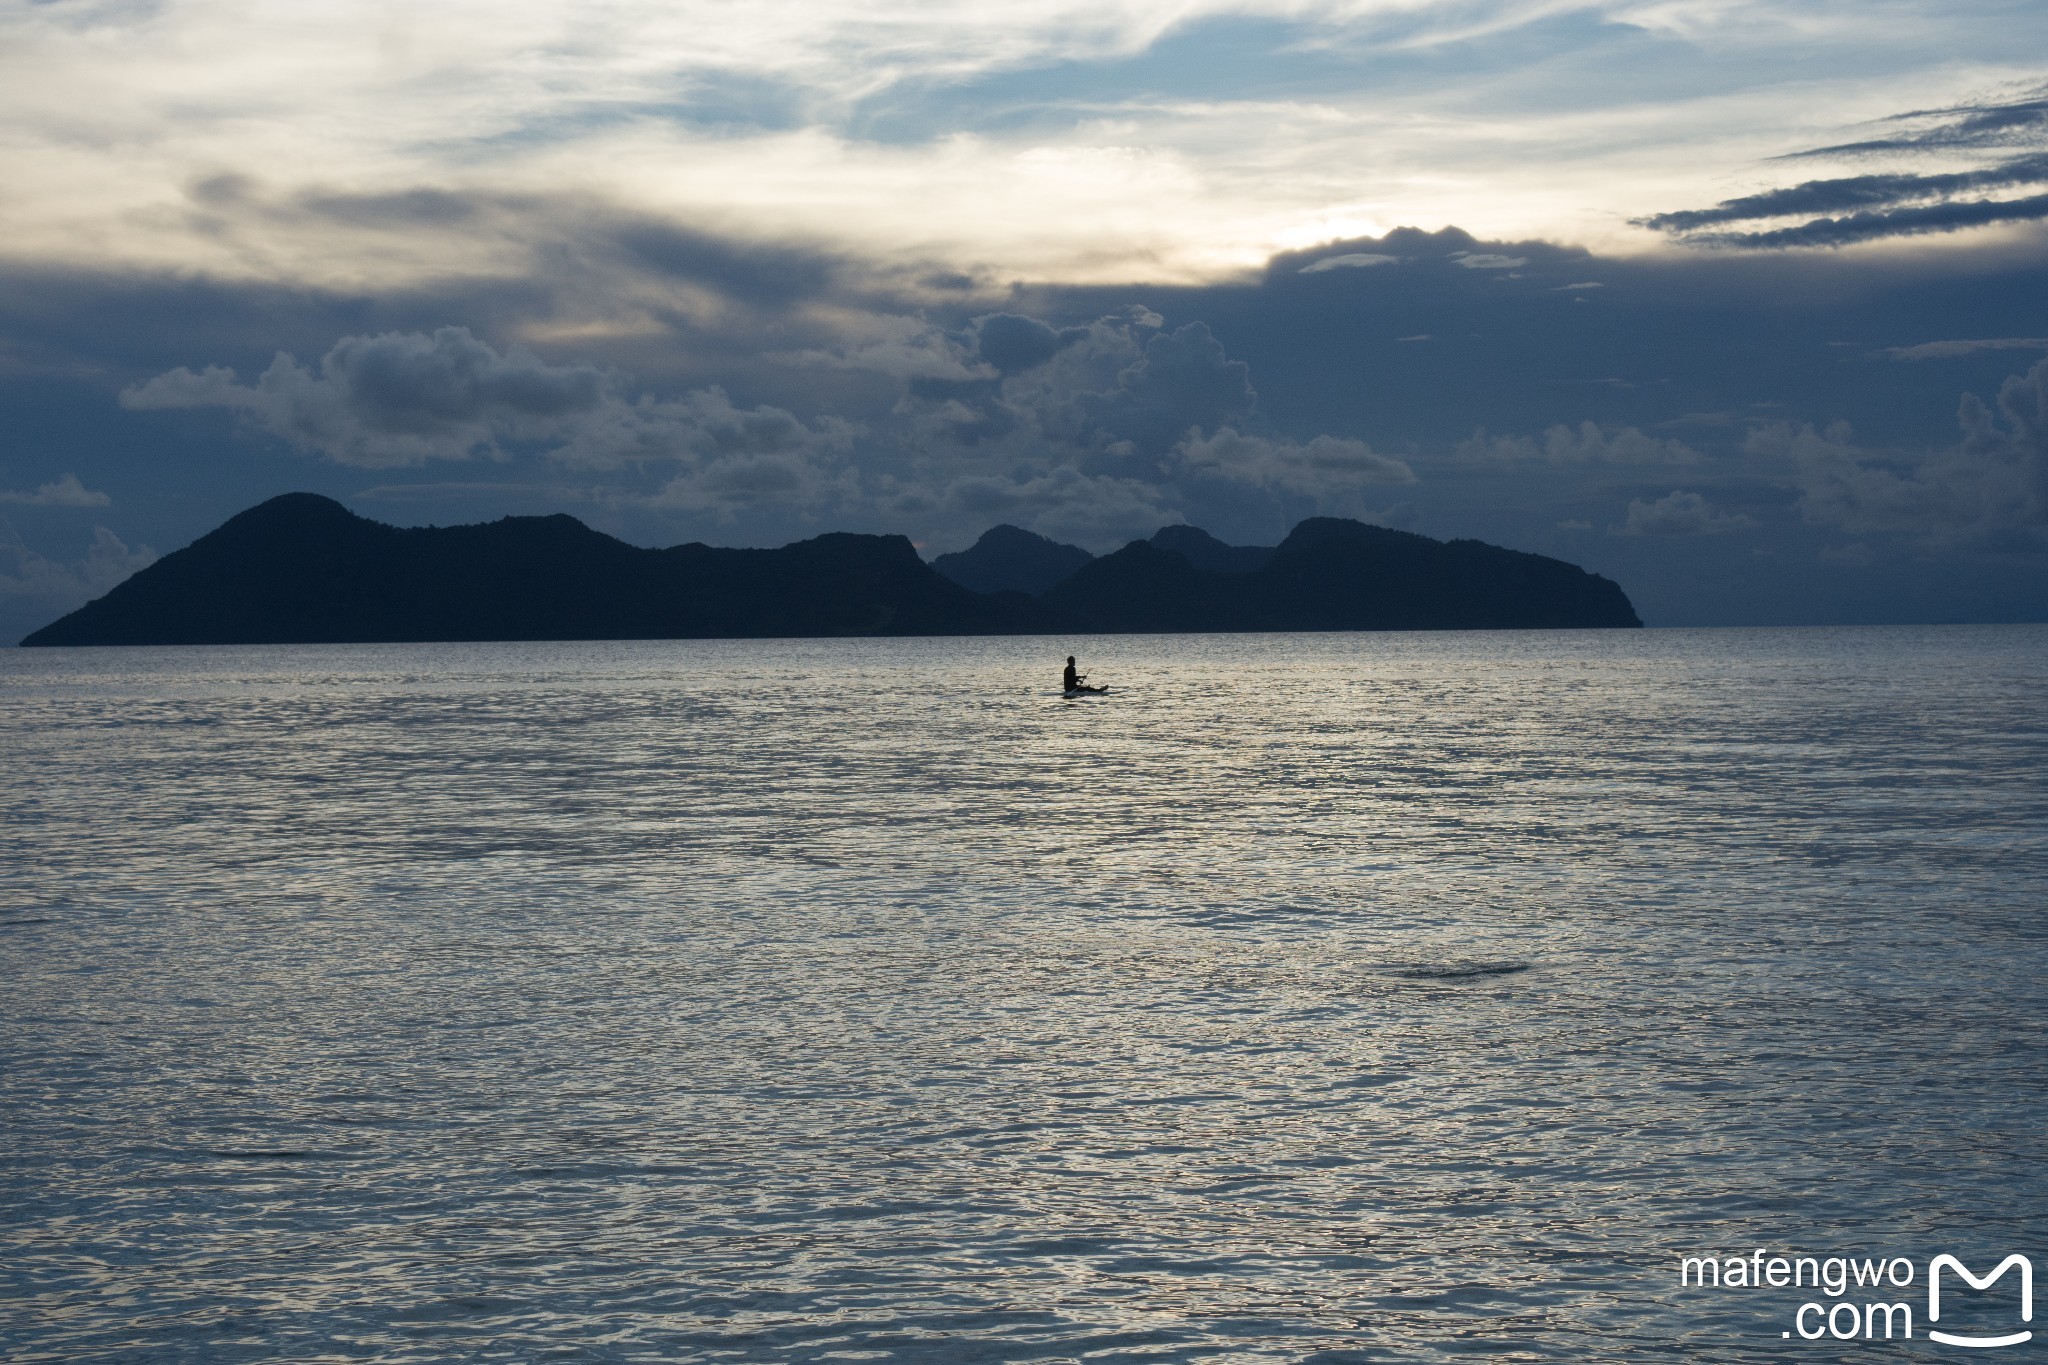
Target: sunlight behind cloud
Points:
x,y
273,141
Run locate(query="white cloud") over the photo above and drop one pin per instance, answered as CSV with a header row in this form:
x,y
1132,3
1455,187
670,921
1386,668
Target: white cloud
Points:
x,y
65,492
1486,260
1991,483
1949,350
26,574
1350,260
1587,443
1325,466
1680,513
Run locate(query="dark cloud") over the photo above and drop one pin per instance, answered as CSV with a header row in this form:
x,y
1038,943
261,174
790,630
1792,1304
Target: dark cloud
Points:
x,y
1104,440
1109,427
1012,343
1183,380
997,346
676,393
576,280
761,274
1902,222
1853,192
407,398
395,399
418,207
1101,509
1900,203
1997,123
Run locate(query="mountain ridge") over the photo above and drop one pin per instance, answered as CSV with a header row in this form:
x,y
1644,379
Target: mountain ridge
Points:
x,y
1010,557
303,569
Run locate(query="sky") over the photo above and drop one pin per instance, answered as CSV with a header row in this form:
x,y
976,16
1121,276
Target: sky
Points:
x,y
1742,304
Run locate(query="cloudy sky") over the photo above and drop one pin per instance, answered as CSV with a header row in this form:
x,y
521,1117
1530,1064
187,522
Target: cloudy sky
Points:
x,y
1743,304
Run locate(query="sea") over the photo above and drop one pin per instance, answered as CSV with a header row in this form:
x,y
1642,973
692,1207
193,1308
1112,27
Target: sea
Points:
x,y
1307,998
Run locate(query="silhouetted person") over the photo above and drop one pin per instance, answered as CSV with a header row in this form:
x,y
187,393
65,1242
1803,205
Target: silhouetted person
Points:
x,y
1072,682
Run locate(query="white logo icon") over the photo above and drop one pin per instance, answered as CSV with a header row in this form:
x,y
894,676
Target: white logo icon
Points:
x,y
1934,1298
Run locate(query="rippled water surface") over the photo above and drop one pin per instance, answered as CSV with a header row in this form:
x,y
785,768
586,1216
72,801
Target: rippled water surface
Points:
x,y
1333,998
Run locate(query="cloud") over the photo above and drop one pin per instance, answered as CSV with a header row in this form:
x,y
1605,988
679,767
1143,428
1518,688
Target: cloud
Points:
x,y
65,492
1680,513
1853,192
1949,350
1140,419
729,484
1006,414
1010,343
1993,483
1978,123
402,399
869,402
699,427
1064,502
395,399
1145,421
356,145
1491,261
1181,379
59,586
1349,260
1588,443
1902,222
1842,210
899,346
473,490
1323,467
1402,516
1009,415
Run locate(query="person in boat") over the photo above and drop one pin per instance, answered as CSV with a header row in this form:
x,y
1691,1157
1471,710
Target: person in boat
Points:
x,y
1071,681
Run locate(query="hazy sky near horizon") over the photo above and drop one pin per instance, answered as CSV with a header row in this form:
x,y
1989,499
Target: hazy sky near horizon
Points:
x,y
1744,304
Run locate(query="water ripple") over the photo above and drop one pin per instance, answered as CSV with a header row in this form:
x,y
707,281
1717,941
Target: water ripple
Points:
x,y
1324,998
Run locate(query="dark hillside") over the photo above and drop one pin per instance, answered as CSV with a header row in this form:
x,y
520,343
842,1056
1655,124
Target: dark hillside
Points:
x,y
303,569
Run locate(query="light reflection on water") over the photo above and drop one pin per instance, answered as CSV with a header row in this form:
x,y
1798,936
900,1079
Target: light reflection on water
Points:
x,y
1344,997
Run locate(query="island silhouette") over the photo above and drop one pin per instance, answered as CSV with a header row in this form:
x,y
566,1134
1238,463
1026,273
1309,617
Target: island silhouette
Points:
x,y
303,569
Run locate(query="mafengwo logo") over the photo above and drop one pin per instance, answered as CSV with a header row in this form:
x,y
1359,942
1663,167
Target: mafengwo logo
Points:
x,y
1863,1298
1940,1263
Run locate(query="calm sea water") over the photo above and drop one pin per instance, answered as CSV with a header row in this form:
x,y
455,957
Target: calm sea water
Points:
x,y
1310,998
